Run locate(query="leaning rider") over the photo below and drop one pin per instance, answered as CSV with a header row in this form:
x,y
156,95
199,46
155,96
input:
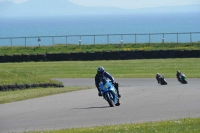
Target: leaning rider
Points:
x,y
178,74
158,76
102,74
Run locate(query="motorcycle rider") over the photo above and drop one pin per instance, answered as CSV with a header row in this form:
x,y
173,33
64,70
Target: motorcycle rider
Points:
x,y
102,74
178,74
158,76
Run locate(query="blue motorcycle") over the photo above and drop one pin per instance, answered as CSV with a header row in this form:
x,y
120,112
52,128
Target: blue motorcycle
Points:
x,y
109,93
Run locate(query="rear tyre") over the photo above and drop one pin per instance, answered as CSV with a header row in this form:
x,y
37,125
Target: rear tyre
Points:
x,y
184,81
163,82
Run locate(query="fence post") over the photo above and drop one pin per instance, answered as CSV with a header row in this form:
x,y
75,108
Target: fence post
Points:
x,y
39,41
11,41
163,38
121,38
135,39
25,41
177,37
66,40
108,38
190,37
80,41
53,40
94,40
149,38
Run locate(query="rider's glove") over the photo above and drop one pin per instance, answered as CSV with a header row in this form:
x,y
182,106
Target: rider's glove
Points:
x,y
113,82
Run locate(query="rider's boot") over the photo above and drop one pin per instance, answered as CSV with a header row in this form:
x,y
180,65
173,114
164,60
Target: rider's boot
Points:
x,y
118,103
116,86
99,94
118,92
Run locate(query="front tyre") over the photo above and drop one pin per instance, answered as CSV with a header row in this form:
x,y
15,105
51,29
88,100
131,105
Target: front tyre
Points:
x,y
110,101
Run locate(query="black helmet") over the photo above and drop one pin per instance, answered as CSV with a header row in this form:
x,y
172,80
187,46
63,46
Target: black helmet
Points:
x,y
157,74
178,72
100,70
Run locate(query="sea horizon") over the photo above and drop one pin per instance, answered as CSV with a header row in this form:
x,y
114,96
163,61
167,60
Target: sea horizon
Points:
x,y
80,26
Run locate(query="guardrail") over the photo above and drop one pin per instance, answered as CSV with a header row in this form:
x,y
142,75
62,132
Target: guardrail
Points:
x,y
102,39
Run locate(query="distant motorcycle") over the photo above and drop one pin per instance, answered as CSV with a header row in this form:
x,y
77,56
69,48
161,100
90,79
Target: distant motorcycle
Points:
x,y
109,93
183,79
162,80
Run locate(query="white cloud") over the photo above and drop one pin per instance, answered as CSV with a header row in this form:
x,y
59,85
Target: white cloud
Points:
x,y
134,4
15,1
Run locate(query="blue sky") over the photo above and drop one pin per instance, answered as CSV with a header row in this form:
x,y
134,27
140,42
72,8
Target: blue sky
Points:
x,y
134,4
126,4
9,8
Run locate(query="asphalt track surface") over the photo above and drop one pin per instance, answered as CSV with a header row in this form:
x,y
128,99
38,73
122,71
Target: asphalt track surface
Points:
x,y
142,100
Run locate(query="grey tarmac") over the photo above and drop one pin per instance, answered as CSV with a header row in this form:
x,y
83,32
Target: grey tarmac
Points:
x,y
143,100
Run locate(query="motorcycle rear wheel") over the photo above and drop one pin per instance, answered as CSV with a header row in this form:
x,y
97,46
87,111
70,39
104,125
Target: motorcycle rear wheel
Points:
x,y
184,81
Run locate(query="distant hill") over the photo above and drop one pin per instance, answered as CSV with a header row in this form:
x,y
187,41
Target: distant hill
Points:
x,y
171,9
64,7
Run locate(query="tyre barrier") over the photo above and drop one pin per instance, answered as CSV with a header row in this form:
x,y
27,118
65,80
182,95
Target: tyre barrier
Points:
x,y
24,58
2,58
171,54
33,57
98,56
26,86
90,56
147,55
104,55
107,55
8,58
115,55
139,55
74,56
41,57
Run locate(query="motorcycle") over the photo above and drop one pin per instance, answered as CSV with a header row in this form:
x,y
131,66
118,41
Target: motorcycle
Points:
x,y
162,80
109,93
183,79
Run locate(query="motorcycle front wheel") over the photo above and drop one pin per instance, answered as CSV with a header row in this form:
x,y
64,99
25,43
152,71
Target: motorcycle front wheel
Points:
x,y
109,99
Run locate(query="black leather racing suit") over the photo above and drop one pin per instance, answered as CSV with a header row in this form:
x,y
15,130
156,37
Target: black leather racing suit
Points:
x,y
105,75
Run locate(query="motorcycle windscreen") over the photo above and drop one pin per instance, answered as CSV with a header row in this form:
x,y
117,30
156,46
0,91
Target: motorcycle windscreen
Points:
x,y
106,86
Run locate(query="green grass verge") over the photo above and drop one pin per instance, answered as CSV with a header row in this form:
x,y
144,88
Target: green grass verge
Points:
x,y
190,125
62,48
19,95
34,72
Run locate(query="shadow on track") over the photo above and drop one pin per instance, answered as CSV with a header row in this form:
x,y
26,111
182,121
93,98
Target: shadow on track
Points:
x,y
93,107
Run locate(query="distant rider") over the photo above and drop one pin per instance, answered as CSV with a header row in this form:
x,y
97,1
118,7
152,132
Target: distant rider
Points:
x,y
158,76
178,74
102,74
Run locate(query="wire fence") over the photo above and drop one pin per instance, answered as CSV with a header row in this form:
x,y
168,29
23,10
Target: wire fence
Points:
x,y
186,37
